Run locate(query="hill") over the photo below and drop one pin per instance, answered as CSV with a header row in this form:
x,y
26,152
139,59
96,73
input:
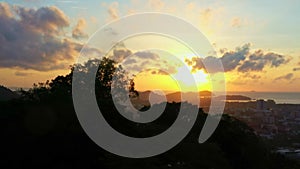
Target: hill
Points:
x,y
50,136
143,98
41,130
236,97
7,94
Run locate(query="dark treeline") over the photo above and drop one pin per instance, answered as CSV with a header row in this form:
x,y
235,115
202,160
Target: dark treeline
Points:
x,y
40,130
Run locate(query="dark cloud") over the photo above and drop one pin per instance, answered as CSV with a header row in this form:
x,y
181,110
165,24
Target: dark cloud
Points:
x,y
296,69
241,59
285,77
258,60
165,71
78,32
251,76
112,32
209,61
129,61
230,60
223,50
145,61
159,72
45,19
146,55
33,38
251,66
92,52
120,54
18,73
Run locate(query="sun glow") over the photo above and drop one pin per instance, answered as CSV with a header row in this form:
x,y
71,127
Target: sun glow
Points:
x,y
200,79
184,80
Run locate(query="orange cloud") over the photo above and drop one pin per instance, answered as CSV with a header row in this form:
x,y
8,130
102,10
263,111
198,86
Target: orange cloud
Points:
x,y
238,22
113,10
285,77
156,4
78,32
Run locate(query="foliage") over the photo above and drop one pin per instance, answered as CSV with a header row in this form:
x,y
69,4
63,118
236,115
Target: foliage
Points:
x,y
60,87
41,130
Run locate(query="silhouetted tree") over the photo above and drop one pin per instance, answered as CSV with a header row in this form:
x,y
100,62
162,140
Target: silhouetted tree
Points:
x,y
61,86
44,132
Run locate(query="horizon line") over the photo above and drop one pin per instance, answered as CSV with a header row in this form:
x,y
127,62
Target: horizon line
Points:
x,y
14,88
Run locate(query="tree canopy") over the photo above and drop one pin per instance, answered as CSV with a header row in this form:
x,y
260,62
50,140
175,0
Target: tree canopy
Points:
x,y
41,130
61,86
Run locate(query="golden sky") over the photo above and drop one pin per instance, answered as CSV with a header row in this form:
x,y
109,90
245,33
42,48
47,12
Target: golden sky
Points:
x,y
259,48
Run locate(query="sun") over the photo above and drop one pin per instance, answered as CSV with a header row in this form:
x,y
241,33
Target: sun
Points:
x,y
192,79
184,80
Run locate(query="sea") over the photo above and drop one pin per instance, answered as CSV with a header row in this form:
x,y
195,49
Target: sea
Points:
x,y
278,97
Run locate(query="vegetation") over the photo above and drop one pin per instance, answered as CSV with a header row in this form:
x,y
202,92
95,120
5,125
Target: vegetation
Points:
x,y
41,130
6,94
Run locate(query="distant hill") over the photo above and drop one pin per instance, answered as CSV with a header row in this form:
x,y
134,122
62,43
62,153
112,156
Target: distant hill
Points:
x,y
143,98
176,97
236,97
191,97
7,94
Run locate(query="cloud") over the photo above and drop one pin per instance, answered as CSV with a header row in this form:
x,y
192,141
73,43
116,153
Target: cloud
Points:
x,y
238,22
294,80
78,32
146,55
120,54
152,62
167,70
34,38
200,63
129,61
113,10
258,60
296,69
45,19
112,32
230,60
160,72
223,50
241,59
285,77
5,10
251,76
156,4
206,16
18,73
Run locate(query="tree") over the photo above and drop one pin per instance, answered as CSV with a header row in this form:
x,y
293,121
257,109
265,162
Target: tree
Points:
x,y
108,71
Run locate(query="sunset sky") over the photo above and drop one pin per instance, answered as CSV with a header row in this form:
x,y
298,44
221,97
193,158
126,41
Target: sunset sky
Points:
x,y
258,42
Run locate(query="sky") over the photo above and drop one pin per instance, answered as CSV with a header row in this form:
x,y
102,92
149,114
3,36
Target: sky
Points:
x,y
258,42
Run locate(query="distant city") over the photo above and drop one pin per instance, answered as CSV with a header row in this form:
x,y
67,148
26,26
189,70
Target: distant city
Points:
x,y
278,123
